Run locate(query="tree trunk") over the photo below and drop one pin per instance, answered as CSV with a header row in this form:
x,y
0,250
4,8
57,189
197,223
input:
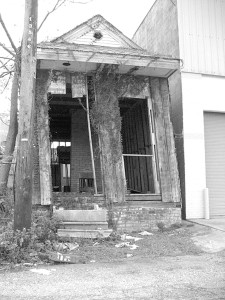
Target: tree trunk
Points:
x,y
11,136
23,191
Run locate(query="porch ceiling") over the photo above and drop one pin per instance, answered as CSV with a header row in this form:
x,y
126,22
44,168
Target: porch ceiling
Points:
x,y
87,58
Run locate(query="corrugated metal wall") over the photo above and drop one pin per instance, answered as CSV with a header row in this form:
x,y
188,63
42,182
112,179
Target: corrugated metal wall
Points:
x,y
215,161
202,35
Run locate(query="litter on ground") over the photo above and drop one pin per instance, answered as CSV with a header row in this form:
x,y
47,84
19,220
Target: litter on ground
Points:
x,y
41,271
145,233
129,237
126,244
121,245
65,246
129,255
96,244
133,247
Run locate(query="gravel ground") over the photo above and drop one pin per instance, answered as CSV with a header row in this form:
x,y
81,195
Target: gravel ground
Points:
x,y
166,265
182,277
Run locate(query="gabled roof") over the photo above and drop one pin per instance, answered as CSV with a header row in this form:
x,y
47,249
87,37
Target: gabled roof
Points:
x,y
97,31
97,42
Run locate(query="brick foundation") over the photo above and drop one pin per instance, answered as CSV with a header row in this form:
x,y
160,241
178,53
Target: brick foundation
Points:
x,y
131,216
136,218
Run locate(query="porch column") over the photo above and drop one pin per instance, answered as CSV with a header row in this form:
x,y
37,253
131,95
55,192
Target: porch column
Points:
x,y
113,171
43,82
167,160
105,115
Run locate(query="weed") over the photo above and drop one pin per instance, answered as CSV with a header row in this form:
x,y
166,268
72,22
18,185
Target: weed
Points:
x,y
20,246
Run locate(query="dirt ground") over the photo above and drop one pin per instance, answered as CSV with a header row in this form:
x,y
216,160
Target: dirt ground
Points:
x,y
172,242
182,263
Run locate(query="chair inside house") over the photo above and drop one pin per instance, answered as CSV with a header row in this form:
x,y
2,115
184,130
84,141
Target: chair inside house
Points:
x,y
86,182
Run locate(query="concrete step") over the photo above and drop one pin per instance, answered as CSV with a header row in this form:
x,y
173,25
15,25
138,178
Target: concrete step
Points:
x,y
84,225
79,233
81,215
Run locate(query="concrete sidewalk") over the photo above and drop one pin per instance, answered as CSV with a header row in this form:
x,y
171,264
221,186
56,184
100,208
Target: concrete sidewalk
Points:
x,y
218,223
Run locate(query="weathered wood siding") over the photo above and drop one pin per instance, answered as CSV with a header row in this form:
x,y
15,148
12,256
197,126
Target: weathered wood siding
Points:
x,y
158,32
169,178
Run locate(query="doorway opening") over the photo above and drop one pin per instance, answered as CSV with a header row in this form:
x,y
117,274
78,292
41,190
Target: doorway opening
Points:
x,y
138,146
71,159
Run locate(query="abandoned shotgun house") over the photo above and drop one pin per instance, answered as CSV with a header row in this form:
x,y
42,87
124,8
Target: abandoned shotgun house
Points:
x,y
104,134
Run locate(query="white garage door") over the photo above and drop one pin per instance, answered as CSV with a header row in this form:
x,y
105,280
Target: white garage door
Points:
x,y
215,161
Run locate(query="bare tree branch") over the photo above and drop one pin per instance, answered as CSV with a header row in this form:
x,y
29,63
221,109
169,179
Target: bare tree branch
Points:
x,y
4,74
4,57
80,2
57,5
7,33
1,119
7,49
4,65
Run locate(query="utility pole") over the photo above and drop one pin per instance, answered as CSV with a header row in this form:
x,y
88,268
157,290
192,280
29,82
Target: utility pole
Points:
x,y
23,178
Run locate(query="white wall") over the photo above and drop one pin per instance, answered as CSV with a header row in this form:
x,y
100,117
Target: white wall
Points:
x,y
200,93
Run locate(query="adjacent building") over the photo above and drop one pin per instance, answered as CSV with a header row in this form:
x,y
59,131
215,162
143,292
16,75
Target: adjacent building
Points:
x,y
194,31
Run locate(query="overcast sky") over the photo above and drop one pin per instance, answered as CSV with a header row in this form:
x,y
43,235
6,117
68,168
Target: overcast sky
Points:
x,y
125,15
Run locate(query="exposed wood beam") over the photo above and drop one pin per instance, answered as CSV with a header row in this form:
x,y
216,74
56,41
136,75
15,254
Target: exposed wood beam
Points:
x,y
108,58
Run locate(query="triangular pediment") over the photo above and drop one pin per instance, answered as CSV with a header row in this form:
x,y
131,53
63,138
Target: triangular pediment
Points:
x,y
97,31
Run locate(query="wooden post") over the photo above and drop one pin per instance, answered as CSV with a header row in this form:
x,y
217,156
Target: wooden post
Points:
x,y
153,142
36,189
113,174
43,82
169,178
114,183
23,183
90,138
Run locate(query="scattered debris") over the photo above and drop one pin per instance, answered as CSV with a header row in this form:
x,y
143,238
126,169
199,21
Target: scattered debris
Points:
x,y
143,233
29,265
41,271
64,258
128,237
129,255
126,244
133,247
96,243
121,245
65,246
